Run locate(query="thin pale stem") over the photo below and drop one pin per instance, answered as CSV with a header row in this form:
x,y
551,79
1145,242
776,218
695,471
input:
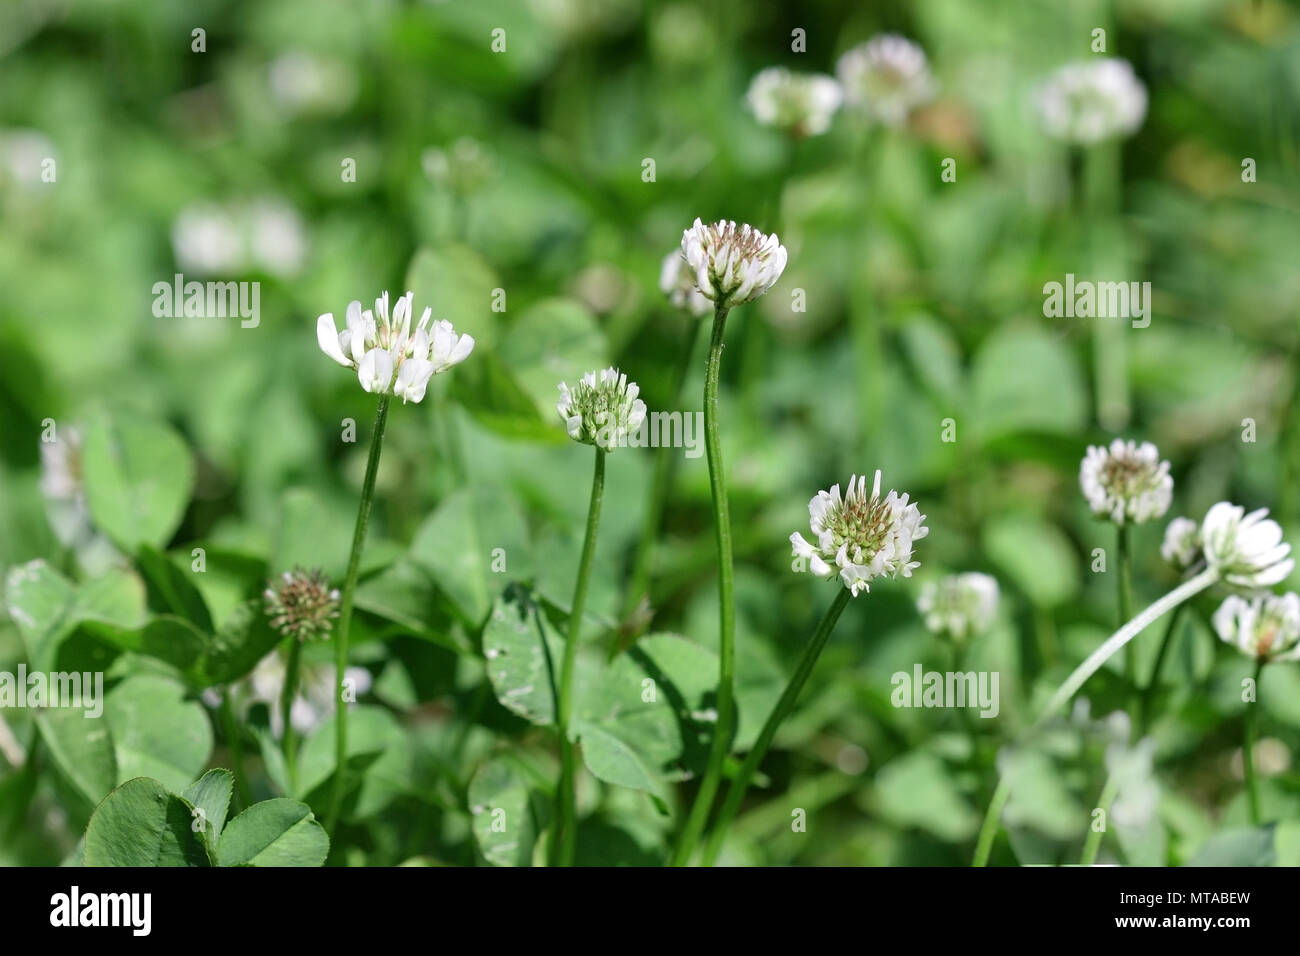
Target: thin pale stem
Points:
x,y
564,841
726,612
1248,748
292,671
665,458
345,613
1092,844
1185,591
736,792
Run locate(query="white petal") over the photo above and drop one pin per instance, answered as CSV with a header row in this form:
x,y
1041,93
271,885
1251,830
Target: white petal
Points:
x,y
327,337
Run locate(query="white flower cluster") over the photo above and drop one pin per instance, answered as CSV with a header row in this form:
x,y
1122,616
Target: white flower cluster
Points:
x,y
1265,627
1126,482
1247,549
1182,543
1092,100
959,606
732,264
801,104
860,536
886,78
602,410
379,346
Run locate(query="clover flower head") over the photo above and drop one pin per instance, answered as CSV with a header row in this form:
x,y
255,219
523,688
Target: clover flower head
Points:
x,y
959,605
1182,543
602,409
1265,627
860,536
886,78
1126,481
732,264
802,104
1091,101
318,689
388,355
1247,549
301,604
678,283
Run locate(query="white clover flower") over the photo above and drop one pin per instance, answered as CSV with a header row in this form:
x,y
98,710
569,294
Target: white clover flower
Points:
x,y
463,167
802,104
23,153
277,238
1126,482
379,346
732,265
860,536
959,605
1092,100
317,690
1246,549
302,82
1266,627
1182,543
677,282
886,78
602,410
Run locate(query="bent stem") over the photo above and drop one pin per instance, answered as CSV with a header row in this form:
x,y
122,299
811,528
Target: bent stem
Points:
x,y
345,613
1185,591
726,619
639,581
564,841
1248,749
288,692
736,792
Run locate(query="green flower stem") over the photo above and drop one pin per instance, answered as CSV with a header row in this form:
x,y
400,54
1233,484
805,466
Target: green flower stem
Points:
x,y
665,459
1124,562
736,792
292,673
1248,748
1093,843
345,612
565,839
236,745
1184,592
1149,691
726,611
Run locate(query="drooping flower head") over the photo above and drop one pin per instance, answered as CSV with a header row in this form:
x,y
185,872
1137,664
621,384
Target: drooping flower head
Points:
x,y
886,78
678,283
602,410
1266,627
301,604
1126,482
960,605
732,264
1247,549
1092,100
380,346
860,536
1182,543
801,104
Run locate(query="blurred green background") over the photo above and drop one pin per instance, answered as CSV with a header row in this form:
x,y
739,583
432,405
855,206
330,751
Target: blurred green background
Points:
x,y
523,171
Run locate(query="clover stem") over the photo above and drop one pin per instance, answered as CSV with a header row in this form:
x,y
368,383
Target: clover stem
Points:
x,y
345,614
1248,748
1123,558
292,672
736,792
1184,592
726,611
233,740
564,841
